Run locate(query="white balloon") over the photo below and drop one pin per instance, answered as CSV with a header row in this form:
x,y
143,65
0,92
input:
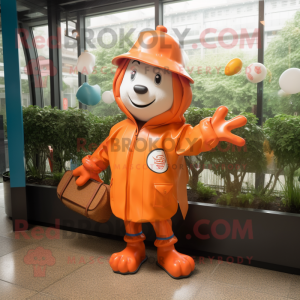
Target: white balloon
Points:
x,y
282,93
86,63
256,72
108,97
289,81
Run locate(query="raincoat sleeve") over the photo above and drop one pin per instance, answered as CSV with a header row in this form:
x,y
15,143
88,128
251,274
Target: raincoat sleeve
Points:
x,y
99,160
194,140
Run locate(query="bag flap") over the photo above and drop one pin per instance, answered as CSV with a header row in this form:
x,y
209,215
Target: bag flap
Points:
x,y
163,188
98,197
82,195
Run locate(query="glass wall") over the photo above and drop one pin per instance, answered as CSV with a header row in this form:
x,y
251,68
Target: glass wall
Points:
x,y
281,110
69,61
105,39
213,33
41,39
69,69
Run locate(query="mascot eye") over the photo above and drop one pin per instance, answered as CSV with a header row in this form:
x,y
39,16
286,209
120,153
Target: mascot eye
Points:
x,y
132,75
157,78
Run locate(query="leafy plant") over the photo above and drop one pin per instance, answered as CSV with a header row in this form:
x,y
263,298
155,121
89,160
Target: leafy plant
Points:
x,y
243,199
72,134
291,192
225,199
283,134
205,192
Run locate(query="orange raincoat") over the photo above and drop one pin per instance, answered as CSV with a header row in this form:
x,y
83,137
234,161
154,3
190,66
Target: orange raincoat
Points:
x,y
139,193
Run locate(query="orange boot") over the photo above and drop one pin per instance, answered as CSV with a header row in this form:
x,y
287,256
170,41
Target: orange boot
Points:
x,y
133,256
177,265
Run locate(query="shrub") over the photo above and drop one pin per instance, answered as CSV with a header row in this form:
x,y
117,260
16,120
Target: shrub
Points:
x,y
231,163
243,199
62,130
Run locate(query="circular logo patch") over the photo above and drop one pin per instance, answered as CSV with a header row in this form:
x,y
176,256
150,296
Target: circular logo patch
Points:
x,y
157,161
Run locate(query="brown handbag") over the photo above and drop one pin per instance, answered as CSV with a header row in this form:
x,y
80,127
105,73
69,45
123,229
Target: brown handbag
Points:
x,y
91,199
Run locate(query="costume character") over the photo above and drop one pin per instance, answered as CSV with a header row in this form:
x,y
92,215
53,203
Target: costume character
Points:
x,y
146,151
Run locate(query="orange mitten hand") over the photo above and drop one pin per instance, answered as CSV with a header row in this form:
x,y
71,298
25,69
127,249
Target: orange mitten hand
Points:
x,y
84,175
223,128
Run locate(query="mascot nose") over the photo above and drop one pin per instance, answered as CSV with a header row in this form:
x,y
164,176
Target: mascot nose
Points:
x,y
140,89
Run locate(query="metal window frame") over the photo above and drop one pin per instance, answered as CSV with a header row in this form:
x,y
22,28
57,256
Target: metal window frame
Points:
x,y
79,11
30,53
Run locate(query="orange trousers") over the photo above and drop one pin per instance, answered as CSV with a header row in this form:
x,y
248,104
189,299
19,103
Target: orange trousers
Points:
x,y
163,231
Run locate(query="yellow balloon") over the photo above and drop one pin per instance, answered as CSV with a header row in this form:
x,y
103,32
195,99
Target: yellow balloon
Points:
x,y
233,67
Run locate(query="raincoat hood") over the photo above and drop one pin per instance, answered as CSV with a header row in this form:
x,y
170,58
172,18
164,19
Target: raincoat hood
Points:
x,y
182,94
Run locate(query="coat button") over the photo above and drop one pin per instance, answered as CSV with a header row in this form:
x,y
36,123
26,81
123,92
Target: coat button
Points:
x,y
165,191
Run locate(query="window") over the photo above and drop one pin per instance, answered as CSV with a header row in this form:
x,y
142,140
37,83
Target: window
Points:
x,y
104,47
279,56
69,69
207,61
42,37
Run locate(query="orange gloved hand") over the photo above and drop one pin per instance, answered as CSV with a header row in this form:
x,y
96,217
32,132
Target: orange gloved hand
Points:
x,y
223,128
89,170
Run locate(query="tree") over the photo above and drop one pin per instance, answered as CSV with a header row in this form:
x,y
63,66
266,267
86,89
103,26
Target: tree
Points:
x,y
283,134
229,162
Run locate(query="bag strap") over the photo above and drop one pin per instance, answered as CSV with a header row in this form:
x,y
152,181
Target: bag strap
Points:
x,y
92,198
65,186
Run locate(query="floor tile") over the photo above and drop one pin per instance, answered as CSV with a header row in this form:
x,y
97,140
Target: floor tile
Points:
x,y
42,296
248,277
150,282
221,291
35,267
294,292
13,292
83,243
5,223
8,245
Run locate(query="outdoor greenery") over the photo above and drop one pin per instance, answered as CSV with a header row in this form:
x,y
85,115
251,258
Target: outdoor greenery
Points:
x,y
282,53
231,163
205,192
71,133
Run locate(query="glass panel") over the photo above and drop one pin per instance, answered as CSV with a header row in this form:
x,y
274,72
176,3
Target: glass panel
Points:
x,y
281,110
213,33
99,41
69,69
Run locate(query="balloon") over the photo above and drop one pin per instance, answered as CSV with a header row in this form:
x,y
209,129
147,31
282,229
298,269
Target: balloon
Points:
x,y
233,67
289,81
108,97
256,72
282,93
89,95
86,63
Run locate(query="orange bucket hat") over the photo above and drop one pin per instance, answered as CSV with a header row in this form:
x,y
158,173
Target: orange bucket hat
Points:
x,y
159,49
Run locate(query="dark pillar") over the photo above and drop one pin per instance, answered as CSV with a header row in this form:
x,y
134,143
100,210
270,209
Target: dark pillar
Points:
x,y
81,48
55,52
158,13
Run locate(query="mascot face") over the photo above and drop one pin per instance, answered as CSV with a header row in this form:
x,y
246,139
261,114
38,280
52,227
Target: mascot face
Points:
x,y
146,91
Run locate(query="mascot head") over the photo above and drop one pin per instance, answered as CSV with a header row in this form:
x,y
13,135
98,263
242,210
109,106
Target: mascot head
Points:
x,y
151,84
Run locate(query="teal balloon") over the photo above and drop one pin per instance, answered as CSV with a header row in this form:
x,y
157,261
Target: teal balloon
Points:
x,y
89,95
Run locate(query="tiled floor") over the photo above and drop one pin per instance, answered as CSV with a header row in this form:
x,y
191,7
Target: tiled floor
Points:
x,y
77,268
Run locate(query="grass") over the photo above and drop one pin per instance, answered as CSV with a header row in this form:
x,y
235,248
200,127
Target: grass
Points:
x,y
291,192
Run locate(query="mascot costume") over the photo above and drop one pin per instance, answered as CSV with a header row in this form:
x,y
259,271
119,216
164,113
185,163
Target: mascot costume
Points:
x,y
146,151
